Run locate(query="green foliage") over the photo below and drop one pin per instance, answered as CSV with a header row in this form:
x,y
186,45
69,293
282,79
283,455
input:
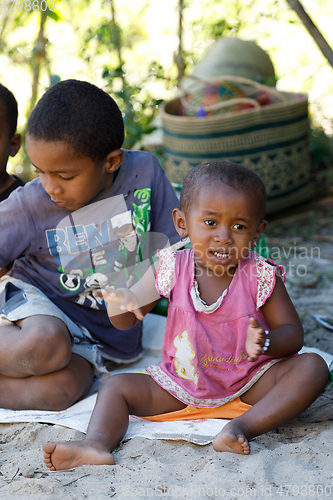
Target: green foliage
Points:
x,y
138,106
109,42
321,148
220,28
54,15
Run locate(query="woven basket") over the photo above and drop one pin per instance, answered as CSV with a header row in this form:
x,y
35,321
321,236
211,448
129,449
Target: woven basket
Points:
x,y
272,140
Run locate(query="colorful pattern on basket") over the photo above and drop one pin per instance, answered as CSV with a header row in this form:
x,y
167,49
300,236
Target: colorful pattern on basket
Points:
x,y
215,98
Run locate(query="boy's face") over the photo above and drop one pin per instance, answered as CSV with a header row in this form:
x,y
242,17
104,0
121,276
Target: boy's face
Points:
x,y
70,181
9,146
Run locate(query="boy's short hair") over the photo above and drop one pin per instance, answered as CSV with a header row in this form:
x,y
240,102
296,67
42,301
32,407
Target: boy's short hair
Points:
x,y
80,114
8,109
233,174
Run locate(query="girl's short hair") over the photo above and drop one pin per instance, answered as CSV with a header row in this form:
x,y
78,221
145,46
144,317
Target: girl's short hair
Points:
x,y
232,174
80,114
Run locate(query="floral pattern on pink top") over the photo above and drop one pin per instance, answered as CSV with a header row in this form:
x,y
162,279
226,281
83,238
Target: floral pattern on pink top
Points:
x,y
166,271
266,278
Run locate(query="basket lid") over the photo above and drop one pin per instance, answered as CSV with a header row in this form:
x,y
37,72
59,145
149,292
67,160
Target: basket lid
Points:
x,y
233,56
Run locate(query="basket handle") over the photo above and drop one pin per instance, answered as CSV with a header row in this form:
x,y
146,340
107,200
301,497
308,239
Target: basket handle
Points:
x,y
223,104
239,100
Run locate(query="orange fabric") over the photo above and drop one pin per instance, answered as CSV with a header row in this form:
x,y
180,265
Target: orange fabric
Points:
x,y
229,410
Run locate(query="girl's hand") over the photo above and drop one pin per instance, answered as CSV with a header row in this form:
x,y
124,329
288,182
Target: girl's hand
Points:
x,y
120,300
255,340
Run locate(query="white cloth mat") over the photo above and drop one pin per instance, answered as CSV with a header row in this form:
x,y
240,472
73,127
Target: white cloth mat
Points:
x,y
77,416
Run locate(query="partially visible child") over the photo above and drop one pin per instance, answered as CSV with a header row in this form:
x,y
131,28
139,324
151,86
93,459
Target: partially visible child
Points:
x,y
231,336
10,141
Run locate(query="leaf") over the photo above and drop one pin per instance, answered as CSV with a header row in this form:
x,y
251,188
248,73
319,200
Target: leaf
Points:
x,y
54,79
53,15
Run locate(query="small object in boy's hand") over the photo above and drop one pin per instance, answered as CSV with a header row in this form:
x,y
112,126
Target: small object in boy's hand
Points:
x,y
326,321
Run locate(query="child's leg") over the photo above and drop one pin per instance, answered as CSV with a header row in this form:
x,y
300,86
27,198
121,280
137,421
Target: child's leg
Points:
x,y
37,369
34,346
283,392
52,391
119,396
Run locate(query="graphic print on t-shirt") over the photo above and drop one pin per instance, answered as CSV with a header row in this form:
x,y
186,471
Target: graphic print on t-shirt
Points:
x,y
104,244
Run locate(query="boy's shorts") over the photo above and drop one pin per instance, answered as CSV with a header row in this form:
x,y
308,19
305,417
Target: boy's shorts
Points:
x,y
20,300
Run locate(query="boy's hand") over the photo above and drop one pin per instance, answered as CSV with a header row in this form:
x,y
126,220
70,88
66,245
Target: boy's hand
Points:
x,y
255,340
122,299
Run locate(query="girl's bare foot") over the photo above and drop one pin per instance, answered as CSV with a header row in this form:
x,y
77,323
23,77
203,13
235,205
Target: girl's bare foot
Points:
x,y
65,455
232,439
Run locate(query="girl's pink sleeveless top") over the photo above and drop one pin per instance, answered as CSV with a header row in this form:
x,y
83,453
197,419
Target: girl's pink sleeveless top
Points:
x,y
204,359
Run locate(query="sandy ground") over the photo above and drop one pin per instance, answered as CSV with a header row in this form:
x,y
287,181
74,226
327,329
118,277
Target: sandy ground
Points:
x,y
291,461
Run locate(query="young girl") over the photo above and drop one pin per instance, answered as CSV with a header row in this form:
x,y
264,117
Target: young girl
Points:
x,y
231,336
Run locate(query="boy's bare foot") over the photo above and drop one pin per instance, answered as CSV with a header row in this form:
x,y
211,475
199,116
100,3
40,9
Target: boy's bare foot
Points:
x,y
65,455
233,440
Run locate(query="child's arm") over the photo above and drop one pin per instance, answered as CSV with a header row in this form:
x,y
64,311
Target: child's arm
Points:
x,y
127,306
285,328
3,271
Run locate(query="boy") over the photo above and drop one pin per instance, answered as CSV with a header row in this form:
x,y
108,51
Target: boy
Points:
x,y
10,142
60,230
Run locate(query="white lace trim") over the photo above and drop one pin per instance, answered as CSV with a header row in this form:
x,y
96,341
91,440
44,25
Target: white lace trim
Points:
x,y
166,271
200,305
167,383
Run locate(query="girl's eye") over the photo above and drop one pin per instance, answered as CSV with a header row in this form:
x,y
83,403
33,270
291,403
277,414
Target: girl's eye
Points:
x,y
239,226
210,223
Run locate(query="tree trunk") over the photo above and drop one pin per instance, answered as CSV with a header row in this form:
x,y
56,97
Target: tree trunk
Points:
x,y
117,34
5,21
179,55
37,58
313,30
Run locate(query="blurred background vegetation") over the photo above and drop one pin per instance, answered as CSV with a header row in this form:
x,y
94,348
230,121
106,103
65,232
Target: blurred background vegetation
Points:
x,y
138,50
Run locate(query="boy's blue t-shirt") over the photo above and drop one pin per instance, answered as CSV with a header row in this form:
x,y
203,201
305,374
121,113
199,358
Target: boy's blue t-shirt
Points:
x,y
111,241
